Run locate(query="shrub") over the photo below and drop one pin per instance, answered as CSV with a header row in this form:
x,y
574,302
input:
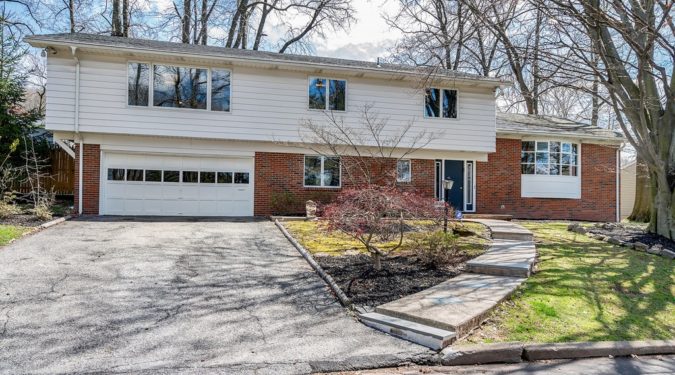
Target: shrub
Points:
x,y
436,249
8,209
284,203
377,214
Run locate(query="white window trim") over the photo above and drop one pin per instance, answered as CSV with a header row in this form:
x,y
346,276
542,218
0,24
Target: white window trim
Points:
x,y
328,79
409,179
424,104
321,186
151,89
470,189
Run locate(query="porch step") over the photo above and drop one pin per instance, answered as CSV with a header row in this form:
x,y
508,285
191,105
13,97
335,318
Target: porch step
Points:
x,y
506,230
489,216
505,258
434,338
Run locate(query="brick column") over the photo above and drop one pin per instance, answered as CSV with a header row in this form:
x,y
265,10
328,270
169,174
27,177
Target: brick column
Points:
x,y
91,178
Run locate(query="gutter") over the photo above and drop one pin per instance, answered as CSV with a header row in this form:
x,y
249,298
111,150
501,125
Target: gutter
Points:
x,y
562,134
273,61
76,125
618,185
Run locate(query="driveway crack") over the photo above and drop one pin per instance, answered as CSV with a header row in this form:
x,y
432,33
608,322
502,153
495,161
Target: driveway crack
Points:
x,y
3,332
258,322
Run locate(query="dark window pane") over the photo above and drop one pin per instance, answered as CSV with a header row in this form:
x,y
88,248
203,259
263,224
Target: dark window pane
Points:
x,y
566,159
432,103
403,171
542,146
134,175
224,177
153,175
337,94
566,147
220,90
527,169
542,157
574,148
574,171
317,93
179,87
241,178
554,170
207,177
555,146
527,157
555,158
528,146
331,172
450,103
171,176
565,170
138,79
115,174
191,177
312,171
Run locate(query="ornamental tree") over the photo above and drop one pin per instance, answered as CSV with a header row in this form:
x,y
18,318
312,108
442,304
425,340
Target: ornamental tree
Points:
x,y
375,214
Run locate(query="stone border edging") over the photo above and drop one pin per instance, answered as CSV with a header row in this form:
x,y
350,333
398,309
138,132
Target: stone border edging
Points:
x,y
342,297
43,226
637,246
519,352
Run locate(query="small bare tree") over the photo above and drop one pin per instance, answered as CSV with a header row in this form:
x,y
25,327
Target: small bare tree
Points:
x,y
369,151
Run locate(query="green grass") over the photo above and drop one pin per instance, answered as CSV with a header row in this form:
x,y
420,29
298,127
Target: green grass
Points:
x,y
317,240
586,290
10,232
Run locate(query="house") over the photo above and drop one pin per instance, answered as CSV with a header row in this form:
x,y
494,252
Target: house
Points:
x,y
164,128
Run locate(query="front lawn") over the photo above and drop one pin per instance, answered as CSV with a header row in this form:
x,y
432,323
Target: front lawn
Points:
x,y
10,232
586,290
405,271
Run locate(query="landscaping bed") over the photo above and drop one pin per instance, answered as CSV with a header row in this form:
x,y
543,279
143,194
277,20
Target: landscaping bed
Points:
x,y
631,233
403,272
586,290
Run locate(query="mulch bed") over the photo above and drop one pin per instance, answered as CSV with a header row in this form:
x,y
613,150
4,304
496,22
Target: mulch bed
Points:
x,y
632,234
23,220
400,276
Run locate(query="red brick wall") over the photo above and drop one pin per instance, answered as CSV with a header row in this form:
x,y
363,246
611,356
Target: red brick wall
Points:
x,y
279,177
498,183
91,178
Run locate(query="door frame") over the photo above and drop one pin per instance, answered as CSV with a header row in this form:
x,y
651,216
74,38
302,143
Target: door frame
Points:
x,y
469,165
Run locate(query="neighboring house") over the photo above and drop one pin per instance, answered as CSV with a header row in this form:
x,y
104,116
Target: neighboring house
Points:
x,y
628,186
173,129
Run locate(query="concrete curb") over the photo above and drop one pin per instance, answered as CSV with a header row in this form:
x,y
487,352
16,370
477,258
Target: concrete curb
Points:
x,y
518,352
51,223
344,300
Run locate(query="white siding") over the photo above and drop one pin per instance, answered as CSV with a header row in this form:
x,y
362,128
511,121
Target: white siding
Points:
x,y
267,105
540,186
628,182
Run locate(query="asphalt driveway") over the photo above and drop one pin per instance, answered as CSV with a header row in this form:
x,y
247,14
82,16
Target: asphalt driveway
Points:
x,y
173,296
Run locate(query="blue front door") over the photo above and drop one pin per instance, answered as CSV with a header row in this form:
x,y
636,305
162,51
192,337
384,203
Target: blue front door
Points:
x,y
454,170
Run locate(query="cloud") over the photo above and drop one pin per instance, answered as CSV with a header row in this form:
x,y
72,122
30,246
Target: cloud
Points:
x,y
366,51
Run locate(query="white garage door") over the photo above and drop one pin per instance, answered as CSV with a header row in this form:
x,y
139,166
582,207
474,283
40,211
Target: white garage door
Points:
x,y
136,184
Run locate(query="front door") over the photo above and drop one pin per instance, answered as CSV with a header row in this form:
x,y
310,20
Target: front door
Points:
x,y
454,170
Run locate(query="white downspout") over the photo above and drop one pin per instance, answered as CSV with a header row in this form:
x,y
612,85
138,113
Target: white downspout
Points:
x,y
80,188
618,185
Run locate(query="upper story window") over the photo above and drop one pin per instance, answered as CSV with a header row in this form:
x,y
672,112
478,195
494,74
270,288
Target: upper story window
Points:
x,y
178,87
441,103
322,171
549,158
139,83
327,94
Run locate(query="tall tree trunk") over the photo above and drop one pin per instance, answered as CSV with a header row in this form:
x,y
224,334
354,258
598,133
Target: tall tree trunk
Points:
x,y
116,19
125,18
71,13
186,21
662,219
642,208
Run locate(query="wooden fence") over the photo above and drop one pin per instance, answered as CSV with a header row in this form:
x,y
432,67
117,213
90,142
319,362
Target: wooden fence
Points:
x,y
61,179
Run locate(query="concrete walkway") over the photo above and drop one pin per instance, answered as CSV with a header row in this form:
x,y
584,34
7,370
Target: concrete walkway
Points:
x,y
460,304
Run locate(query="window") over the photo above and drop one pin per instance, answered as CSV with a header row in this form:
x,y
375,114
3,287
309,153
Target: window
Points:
x,y
179,87
224,177
138,83
220,90
322,171
549,158
134,175
153,175
328,94
115,174
403,172
440,103
191,177
241,178
207,177
171,176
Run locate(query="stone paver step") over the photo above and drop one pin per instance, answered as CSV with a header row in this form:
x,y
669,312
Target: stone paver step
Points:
x,y
505,258
431,337
458,305
506,230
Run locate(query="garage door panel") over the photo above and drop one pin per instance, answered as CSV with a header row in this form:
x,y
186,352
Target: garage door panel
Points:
x,y
170,198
